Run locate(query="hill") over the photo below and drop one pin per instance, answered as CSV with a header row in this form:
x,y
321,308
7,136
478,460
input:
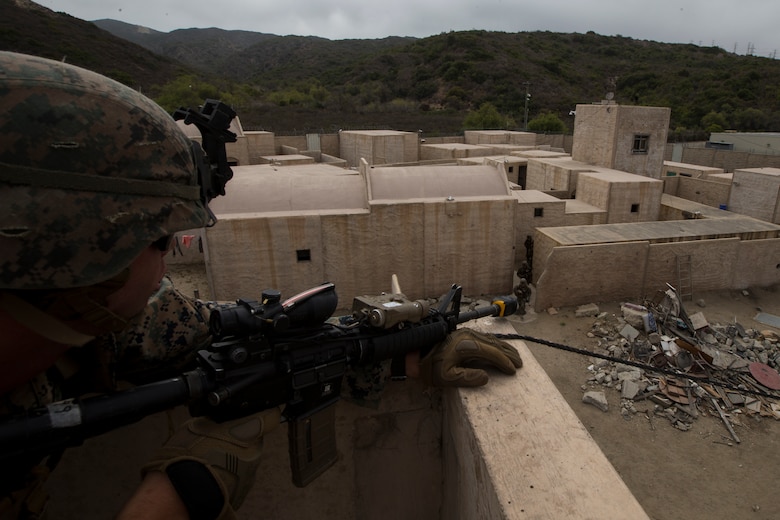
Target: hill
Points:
x,y
296,83
30,28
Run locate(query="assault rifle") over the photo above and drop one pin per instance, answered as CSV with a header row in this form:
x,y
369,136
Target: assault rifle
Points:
x,y
265,353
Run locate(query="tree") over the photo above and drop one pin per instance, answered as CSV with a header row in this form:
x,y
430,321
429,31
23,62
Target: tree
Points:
x,y
547,122
713,122
487,118
189,91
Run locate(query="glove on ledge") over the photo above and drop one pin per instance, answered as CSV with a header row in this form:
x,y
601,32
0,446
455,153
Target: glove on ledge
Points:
x,y
445,365
229,451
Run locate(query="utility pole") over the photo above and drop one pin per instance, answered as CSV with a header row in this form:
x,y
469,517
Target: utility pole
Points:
x,y
527,98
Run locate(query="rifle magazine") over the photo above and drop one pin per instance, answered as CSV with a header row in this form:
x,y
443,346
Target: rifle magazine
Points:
x,y
312,442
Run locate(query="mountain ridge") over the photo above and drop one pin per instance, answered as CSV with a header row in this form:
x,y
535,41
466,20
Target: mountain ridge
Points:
x,y
293,83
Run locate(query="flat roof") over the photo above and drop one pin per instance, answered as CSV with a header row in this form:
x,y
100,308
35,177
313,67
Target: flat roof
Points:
x,y
265,188
284,158
440,181
690,166
657,231
498,132
526,196
513,159
610,175
706,211
458,146
762,171
574,206
376,132
540,154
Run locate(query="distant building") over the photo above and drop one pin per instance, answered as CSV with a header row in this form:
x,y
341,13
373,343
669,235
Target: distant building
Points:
x,y
752,142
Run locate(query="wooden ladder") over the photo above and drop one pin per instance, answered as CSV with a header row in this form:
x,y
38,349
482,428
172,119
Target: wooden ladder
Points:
x,y
684,277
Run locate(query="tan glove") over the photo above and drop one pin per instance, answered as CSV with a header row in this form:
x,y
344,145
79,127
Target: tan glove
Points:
x,y
446,364
230,451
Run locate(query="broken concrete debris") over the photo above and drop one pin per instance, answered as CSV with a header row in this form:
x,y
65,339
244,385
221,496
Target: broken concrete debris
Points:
x,y
597,399
590,309
693,368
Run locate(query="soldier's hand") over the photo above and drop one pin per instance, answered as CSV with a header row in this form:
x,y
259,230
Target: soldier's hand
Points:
x,y
204,458
448,363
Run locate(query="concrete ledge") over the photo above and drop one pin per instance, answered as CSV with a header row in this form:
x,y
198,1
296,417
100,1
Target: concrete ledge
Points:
x,y
510,450
515,449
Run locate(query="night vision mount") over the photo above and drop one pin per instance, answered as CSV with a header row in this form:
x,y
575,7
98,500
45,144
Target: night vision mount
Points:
x,y
213,120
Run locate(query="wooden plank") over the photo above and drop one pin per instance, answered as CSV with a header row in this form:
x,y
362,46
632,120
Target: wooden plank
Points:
x,y
520,451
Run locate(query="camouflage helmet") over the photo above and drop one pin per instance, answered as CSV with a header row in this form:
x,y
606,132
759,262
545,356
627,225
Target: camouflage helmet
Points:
x,y
91,173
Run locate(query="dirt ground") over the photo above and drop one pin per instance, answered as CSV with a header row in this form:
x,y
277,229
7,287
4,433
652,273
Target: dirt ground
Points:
x,y
695,474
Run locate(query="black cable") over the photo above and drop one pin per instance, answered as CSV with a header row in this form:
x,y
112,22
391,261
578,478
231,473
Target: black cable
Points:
x,y
643,366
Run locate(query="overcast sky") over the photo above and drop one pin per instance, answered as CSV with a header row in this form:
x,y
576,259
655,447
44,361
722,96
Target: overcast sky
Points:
x,y
729,24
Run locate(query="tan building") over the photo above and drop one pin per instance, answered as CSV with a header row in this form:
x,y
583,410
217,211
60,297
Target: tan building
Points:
x,y
624,196
578,265
378,147
627,138
293,227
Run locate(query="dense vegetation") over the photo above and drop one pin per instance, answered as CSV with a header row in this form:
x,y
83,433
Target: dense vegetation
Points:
x,y
441,84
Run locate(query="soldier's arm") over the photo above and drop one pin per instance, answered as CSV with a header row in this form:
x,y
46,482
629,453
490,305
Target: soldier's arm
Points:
x,y
154,499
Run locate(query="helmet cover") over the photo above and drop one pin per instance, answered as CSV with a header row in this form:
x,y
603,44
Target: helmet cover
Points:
x,y
91,173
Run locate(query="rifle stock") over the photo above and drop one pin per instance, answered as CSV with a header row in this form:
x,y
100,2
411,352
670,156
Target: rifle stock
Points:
x,y
266,354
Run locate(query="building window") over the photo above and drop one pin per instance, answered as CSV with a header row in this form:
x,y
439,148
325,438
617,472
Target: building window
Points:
x,y
303,255
634,208
640,143
538,212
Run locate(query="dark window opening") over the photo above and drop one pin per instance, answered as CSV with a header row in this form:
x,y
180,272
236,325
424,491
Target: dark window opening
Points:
x,y
303,255
538,212
640,143
634,208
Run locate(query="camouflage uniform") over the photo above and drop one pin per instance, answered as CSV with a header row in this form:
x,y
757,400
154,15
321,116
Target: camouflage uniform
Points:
x,y
91,174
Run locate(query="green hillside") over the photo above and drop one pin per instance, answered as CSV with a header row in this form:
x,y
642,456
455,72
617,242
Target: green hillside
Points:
x,y
297,84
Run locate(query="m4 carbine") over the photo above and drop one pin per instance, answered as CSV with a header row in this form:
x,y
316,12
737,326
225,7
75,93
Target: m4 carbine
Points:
x,y
265,353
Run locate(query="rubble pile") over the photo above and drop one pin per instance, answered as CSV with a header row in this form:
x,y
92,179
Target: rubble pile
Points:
x,y
681,365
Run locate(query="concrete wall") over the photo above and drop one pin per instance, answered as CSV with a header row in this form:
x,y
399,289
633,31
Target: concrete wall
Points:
x,y
453,151
650,121
554,174
763,257
499,137
189,248
713,263
595,136
558,141
704,191
625,197
378,147
257,145
761,142
604,136
429,245
530,204
756,193
728,160
575,274
517,451
671,169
